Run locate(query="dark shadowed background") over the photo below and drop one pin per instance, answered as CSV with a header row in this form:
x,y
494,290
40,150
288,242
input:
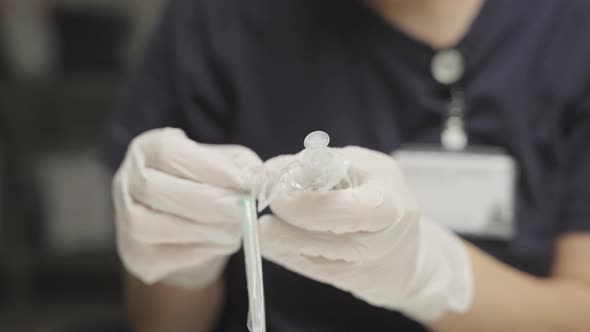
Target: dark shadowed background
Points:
x,y
61,67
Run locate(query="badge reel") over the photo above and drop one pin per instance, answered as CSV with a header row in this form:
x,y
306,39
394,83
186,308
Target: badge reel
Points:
x,y
470,190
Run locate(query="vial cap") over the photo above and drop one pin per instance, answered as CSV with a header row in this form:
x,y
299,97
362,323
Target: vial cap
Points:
x,y
317,140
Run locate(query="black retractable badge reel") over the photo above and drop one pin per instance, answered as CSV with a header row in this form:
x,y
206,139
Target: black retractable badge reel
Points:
x,y
448,69
470,191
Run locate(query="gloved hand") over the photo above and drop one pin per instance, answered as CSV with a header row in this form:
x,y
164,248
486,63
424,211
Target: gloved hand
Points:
x,y
177,207
369,240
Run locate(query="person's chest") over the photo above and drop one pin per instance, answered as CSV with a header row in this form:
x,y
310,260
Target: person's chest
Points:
x,y
382,102
378,102
383,98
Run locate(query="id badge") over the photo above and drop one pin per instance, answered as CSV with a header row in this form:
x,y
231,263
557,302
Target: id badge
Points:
x,y
472,192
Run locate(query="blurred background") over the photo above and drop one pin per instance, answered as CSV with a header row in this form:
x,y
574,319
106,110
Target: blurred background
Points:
x,y
61,67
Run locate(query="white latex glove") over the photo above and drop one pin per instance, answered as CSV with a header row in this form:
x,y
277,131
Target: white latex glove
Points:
x,y
370,241
177,207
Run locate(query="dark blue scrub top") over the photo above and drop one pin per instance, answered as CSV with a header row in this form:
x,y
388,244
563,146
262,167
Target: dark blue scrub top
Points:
x,y
264,73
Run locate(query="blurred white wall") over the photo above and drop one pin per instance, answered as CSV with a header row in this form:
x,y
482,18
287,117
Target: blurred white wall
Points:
x,y
75,194
28,38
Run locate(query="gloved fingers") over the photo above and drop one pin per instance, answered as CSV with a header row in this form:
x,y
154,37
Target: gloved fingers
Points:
x,y
241,156
315,267
374,277
153,227
170,151
363,208
379,198
354,248
371,161
184,198
152,263
367,161
277,164
368,207
377,166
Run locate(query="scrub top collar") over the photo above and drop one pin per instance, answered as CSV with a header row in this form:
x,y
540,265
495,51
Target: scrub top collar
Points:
x,y
387,38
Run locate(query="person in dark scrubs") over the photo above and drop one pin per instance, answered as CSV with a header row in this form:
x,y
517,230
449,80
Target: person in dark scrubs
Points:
x,y
245,81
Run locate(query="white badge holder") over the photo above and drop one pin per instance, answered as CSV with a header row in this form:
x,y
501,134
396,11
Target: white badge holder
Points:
x,y
472,193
